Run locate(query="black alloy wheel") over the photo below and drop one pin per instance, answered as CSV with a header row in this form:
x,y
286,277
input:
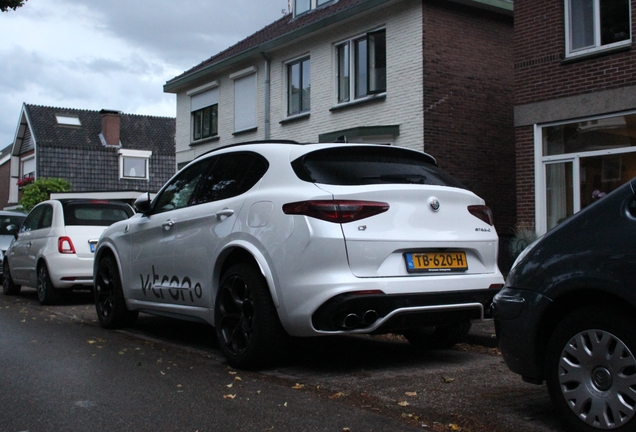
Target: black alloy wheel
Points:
x,y
110,304
247,326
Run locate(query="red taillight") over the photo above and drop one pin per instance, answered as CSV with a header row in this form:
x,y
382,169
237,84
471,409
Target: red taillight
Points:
x,y
65,245
482,212
337,211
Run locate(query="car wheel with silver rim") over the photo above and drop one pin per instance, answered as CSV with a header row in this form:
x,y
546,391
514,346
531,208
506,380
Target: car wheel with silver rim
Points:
x,y
591,369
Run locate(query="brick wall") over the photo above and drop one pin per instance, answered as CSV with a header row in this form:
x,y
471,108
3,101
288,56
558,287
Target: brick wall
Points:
x,y
540,72
468,101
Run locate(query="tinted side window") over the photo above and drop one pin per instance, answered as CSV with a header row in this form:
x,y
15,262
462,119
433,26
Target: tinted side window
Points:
x,y
363,165
177,194
34,219
232,175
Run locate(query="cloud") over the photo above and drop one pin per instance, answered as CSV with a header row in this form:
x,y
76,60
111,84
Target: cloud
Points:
x,y
90,54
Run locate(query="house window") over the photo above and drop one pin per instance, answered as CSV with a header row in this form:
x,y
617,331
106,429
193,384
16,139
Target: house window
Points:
x,y
581,162
133,164
28,168
244,99
593,25
361,66
302,6
205,114
298,87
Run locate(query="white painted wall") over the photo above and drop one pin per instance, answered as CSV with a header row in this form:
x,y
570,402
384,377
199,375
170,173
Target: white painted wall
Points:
x,y
404,95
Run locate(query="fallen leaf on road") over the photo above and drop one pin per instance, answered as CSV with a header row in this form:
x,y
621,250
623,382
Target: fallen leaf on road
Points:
x,y
448,380
237,379
229,396
337,395
298,386
411,393
403,403
229,385
454,427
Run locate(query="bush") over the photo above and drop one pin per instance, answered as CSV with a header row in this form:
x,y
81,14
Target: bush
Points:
x,y
40,190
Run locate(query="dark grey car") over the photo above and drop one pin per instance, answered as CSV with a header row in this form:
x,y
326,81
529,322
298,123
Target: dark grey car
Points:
x,y
10,223
567,314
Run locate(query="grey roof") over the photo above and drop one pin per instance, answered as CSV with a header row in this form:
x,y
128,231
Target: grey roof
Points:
x,y
138,132
76,153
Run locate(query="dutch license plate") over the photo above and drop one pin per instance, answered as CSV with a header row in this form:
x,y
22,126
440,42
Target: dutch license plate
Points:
x,y
436,261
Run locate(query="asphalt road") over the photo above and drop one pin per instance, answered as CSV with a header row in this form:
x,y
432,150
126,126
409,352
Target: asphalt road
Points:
x,y
60,371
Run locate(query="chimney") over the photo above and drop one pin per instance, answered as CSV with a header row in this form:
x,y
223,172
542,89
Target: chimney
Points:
x,y
111,122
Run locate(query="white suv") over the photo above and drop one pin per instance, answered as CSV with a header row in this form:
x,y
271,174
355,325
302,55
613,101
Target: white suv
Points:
x,y
274,239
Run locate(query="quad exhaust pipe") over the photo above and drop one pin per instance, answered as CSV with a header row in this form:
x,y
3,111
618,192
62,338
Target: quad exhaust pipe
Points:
x,y
353,320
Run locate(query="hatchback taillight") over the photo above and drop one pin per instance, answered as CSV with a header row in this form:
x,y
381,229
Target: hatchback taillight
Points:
x,y
482,212
65,245
337,211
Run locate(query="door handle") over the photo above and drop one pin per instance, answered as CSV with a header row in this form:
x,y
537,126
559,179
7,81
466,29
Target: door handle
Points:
x,y
223,214
167,225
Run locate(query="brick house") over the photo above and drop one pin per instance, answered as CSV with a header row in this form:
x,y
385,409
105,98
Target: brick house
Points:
x,y
432,75
103,154
575,105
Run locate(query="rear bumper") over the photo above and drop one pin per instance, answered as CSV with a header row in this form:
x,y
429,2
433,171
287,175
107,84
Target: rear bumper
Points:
x,y
382,313
70,271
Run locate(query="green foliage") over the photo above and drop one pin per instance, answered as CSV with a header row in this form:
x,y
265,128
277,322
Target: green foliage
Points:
x,y
40,190
5,5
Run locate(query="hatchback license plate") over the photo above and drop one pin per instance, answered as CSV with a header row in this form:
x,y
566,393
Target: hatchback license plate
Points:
x,y
436,261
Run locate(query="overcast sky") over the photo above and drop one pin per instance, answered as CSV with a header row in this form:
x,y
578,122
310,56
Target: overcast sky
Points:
x,y
113,54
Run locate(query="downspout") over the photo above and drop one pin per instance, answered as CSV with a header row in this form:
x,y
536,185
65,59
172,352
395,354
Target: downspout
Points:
x,y
267,96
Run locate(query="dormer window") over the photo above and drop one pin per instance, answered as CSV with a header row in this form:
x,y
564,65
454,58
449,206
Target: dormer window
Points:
x,y
133,164
302,6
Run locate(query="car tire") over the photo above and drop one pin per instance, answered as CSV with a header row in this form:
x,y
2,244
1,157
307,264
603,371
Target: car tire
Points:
x,y
110,303
440,337
591,369
8,286
47,294
247,326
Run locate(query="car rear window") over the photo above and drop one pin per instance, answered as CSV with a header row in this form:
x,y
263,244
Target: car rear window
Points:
x,y
365,165
95,214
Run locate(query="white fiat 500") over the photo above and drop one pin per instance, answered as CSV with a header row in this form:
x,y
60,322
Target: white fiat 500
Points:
x,y
269,240
54,249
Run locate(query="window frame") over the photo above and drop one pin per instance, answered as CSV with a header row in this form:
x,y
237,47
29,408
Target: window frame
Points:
x,y
355,70
204,101
245,99
304,106
597,46
312,4
144,155
543,161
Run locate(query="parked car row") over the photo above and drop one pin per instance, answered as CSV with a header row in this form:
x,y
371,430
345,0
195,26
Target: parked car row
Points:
x,y
270,240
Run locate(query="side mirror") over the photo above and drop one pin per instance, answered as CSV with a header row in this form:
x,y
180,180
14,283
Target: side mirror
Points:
x,y
13,229
142,204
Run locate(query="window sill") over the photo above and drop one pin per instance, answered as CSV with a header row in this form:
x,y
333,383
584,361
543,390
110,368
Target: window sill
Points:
x,y
205,141
595,54
245,131
369,99
295,118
